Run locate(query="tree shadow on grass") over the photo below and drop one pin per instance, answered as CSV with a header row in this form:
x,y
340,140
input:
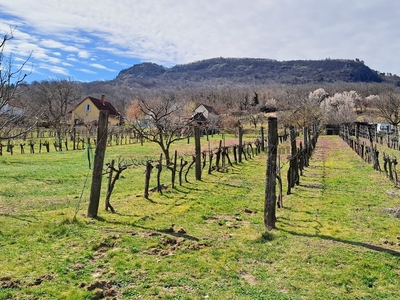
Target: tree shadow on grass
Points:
x,y
25,218
152,231
189,188
180,189
150,200
359,244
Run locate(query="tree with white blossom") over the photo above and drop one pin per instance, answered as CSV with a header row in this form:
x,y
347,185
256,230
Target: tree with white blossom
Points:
x,y
339,108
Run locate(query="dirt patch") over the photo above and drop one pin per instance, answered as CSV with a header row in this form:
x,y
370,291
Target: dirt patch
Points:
x,y
228,221
313,186
102,289
249,211
38,281
9,283
393,212
169,244
107,243
148,234
250,279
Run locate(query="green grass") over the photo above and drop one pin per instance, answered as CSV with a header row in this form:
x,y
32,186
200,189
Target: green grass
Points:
x,y
332,241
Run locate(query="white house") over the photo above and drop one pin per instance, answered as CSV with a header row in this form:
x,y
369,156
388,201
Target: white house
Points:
x,y
208,112
12,108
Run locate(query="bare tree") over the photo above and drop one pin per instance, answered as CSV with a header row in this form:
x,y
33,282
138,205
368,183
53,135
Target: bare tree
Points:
x,y
159,122
56,97
388,105
300,109
14,119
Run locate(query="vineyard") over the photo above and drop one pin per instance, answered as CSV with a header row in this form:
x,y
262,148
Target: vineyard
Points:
x,y
336,231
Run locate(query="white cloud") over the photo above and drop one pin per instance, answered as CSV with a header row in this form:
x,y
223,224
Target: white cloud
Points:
x,y
101,67
172,31
71,57
86,71
55,69
83,54
119,63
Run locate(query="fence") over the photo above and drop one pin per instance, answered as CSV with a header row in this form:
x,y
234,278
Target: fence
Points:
x,y
43,140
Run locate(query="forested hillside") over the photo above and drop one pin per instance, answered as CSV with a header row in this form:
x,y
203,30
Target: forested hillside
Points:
x,y
227,81
252,70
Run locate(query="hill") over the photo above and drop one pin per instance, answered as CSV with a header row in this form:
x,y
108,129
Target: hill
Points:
x,y
253,70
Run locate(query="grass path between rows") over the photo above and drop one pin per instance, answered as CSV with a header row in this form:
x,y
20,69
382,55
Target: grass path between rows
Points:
x,y
351,247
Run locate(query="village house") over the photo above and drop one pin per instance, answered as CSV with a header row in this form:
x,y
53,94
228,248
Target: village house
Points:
x,y
13,108
206,116
208,112
89,108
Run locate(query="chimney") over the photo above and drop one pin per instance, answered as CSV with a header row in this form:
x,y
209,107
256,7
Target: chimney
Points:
x,y
103,99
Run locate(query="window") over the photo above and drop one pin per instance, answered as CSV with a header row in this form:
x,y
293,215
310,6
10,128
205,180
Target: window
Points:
x,y
87,107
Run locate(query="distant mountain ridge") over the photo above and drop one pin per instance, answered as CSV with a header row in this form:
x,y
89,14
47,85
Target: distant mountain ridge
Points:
x,y
248,70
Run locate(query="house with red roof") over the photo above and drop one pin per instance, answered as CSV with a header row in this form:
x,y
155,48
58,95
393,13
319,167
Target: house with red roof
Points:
x,y
88,110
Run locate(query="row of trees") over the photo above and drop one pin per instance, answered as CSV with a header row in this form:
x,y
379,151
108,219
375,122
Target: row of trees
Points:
x,y
345,107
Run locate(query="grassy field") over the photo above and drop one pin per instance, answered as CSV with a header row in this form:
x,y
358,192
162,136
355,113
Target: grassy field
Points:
x,y
202,240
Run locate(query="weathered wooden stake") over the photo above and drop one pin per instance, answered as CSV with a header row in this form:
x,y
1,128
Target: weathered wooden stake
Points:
x,y
374,153
109,186
98,164
149,167
210,158
293,172
270,184
74,138
173,171
306,146
197,148
218,158
159,170
240,148
262,139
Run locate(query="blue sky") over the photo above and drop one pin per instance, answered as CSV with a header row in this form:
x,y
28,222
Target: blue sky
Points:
x,y
90,40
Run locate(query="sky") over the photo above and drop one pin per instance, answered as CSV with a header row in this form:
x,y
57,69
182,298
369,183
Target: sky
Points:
x,y
91,40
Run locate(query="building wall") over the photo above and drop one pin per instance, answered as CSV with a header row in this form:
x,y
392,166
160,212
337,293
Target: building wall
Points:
x,y
203,110
87,112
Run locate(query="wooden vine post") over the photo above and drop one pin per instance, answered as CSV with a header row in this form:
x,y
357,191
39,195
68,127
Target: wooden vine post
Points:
x,y
293,172
306,147
149,167
197,152
159,170
270,184
262,139
74,138
210,158
98,164
375,153
240,148
110,185
173,170
112,179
